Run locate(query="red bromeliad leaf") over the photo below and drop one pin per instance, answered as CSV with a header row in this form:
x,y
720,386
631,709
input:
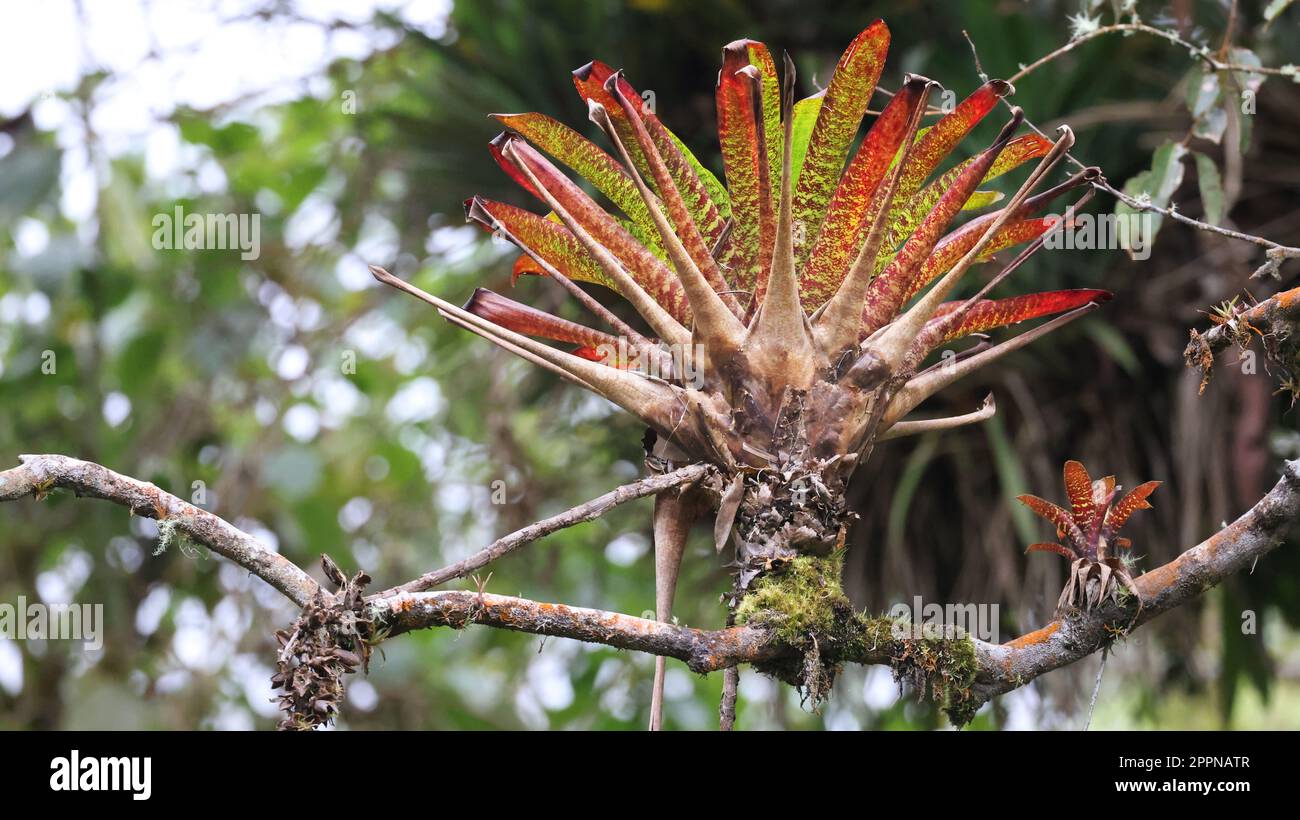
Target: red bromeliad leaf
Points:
x,y
1078,486
550,240
888,292
956,244
706,201
842,109
989,314
693,241
1134,501
585,158
770,93
939,141
495,148
1058,517
591,354
739,134
646,269
1019,151
528,320
1056,548
1100,512
851,211
525,264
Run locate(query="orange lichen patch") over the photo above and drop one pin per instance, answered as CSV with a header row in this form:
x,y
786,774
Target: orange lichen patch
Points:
x,y
1152,583
1288,298
1036,637
1225,537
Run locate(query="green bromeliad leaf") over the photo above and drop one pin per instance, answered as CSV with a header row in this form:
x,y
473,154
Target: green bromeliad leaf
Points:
x,y
586,159
805,115
753,231
705,197
842,109
547,239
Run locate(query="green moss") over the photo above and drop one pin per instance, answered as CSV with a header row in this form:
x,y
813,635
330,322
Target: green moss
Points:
x,y
800,601
939,664
806,608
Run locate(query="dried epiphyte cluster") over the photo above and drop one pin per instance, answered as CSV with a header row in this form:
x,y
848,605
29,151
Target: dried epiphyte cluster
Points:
x,y
1088,533
330,639
1273,321
804,296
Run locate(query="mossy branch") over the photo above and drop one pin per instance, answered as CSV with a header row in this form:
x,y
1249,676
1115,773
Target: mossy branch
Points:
x,y
797,625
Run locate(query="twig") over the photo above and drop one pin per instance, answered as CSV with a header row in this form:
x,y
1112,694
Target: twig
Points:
x,y
979,68
1096,688
1274,319
1199,52
588,511
40,473
727,708
1276,252
1001,668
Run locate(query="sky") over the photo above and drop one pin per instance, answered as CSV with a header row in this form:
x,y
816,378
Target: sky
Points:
x,y
205,54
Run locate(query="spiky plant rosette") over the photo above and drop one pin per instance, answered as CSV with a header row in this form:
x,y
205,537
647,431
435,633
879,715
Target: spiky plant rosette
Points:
x,y
788,315
1088,532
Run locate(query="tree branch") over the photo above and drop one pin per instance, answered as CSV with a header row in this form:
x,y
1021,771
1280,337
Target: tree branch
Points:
x,y
1273,319
1000,667
1062,642
702,650
1199,52
38,474
1275,252
588,511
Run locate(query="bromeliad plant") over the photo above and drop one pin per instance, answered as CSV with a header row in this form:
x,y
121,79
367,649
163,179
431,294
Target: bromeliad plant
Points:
x,y
787,320
1099,563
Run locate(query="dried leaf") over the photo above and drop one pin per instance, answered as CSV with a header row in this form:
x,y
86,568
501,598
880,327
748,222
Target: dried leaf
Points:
x,y
727,509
